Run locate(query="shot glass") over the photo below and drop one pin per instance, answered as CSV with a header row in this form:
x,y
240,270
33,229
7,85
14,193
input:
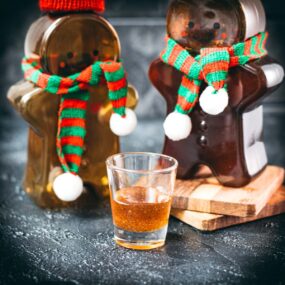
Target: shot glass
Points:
x,y
141,186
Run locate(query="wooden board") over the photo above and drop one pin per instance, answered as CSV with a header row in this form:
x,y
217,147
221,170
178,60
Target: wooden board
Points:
x,y
211,222
208,196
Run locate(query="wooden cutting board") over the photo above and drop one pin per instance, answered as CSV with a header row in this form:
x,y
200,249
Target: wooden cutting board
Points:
x,y
211,222
208,196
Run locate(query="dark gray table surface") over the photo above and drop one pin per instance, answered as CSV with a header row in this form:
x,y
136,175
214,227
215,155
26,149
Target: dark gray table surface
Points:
x,y
75,246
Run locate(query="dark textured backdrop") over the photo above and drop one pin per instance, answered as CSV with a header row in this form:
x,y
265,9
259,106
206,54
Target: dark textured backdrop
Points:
x,y
141,27
75,246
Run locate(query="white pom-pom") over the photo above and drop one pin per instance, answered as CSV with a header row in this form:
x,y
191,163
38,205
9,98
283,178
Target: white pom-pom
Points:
x,y
177,126
214,104
68,187
123,126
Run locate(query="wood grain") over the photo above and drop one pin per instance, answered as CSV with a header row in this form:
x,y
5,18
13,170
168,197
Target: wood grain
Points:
x,y
208,196
211,222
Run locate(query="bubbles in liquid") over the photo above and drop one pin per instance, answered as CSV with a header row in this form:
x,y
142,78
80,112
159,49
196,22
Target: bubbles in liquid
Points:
x,y
140,209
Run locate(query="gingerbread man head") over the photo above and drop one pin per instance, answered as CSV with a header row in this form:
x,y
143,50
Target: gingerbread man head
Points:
x,y
64,46
197,24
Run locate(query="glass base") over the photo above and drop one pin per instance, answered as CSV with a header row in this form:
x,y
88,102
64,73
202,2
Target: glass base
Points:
x,y
140,241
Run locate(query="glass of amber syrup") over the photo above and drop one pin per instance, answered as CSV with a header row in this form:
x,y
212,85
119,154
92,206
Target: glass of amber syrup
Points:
x,y
141,186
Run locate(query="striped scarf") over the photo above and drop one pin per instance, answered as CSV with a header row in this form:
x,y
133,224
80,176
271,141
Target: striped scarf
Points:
x,y
74,94
211,66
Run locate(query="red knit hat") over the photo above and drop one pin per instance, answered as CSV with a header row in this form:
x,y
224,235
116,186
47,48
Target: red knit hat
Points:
x,y
72,5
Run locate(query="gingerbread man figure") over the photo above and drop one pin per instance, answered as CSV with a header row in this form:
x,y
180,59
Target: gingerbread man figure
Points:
x,y
214,74
74,85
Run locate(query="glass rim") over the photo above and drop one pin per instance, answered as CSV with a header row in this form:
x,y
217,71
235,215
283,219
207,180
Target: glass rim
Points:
x,y
155,171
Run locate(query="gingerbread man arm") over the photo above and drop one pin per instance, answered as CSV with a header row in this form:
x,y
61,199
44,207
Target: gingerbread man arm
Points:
x,y
21,97
166,80
155,76
274,74
132,97
259,79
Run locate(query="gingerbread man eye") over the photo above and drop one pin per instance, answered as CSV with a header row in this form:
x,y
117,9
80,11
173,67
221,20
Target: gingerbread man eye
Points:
x,y
95,52
191,25
70,54
216,26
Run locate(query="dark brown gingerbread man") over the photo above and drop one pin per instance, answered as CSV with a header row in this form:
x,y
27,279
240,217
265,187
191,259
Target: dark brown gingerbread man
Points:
x,y
229,142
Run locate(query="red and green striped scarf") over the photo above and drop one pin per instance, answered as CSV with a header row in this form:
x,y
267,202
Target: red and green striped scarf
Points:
x,y
74,94
211,66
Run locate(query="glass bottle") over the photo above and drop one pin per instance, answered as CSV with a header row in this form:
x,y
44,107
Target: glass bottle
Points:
x,y
66,43
230,144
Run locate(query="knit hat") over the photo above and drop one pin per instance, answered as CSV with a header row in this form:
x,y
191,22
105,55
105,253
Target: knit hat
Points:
x,y
72,5
211,66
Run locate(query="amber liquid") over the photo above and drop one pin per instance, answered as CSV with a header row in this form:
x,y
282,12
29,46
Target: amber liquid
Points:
x,y
140,217
139,209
